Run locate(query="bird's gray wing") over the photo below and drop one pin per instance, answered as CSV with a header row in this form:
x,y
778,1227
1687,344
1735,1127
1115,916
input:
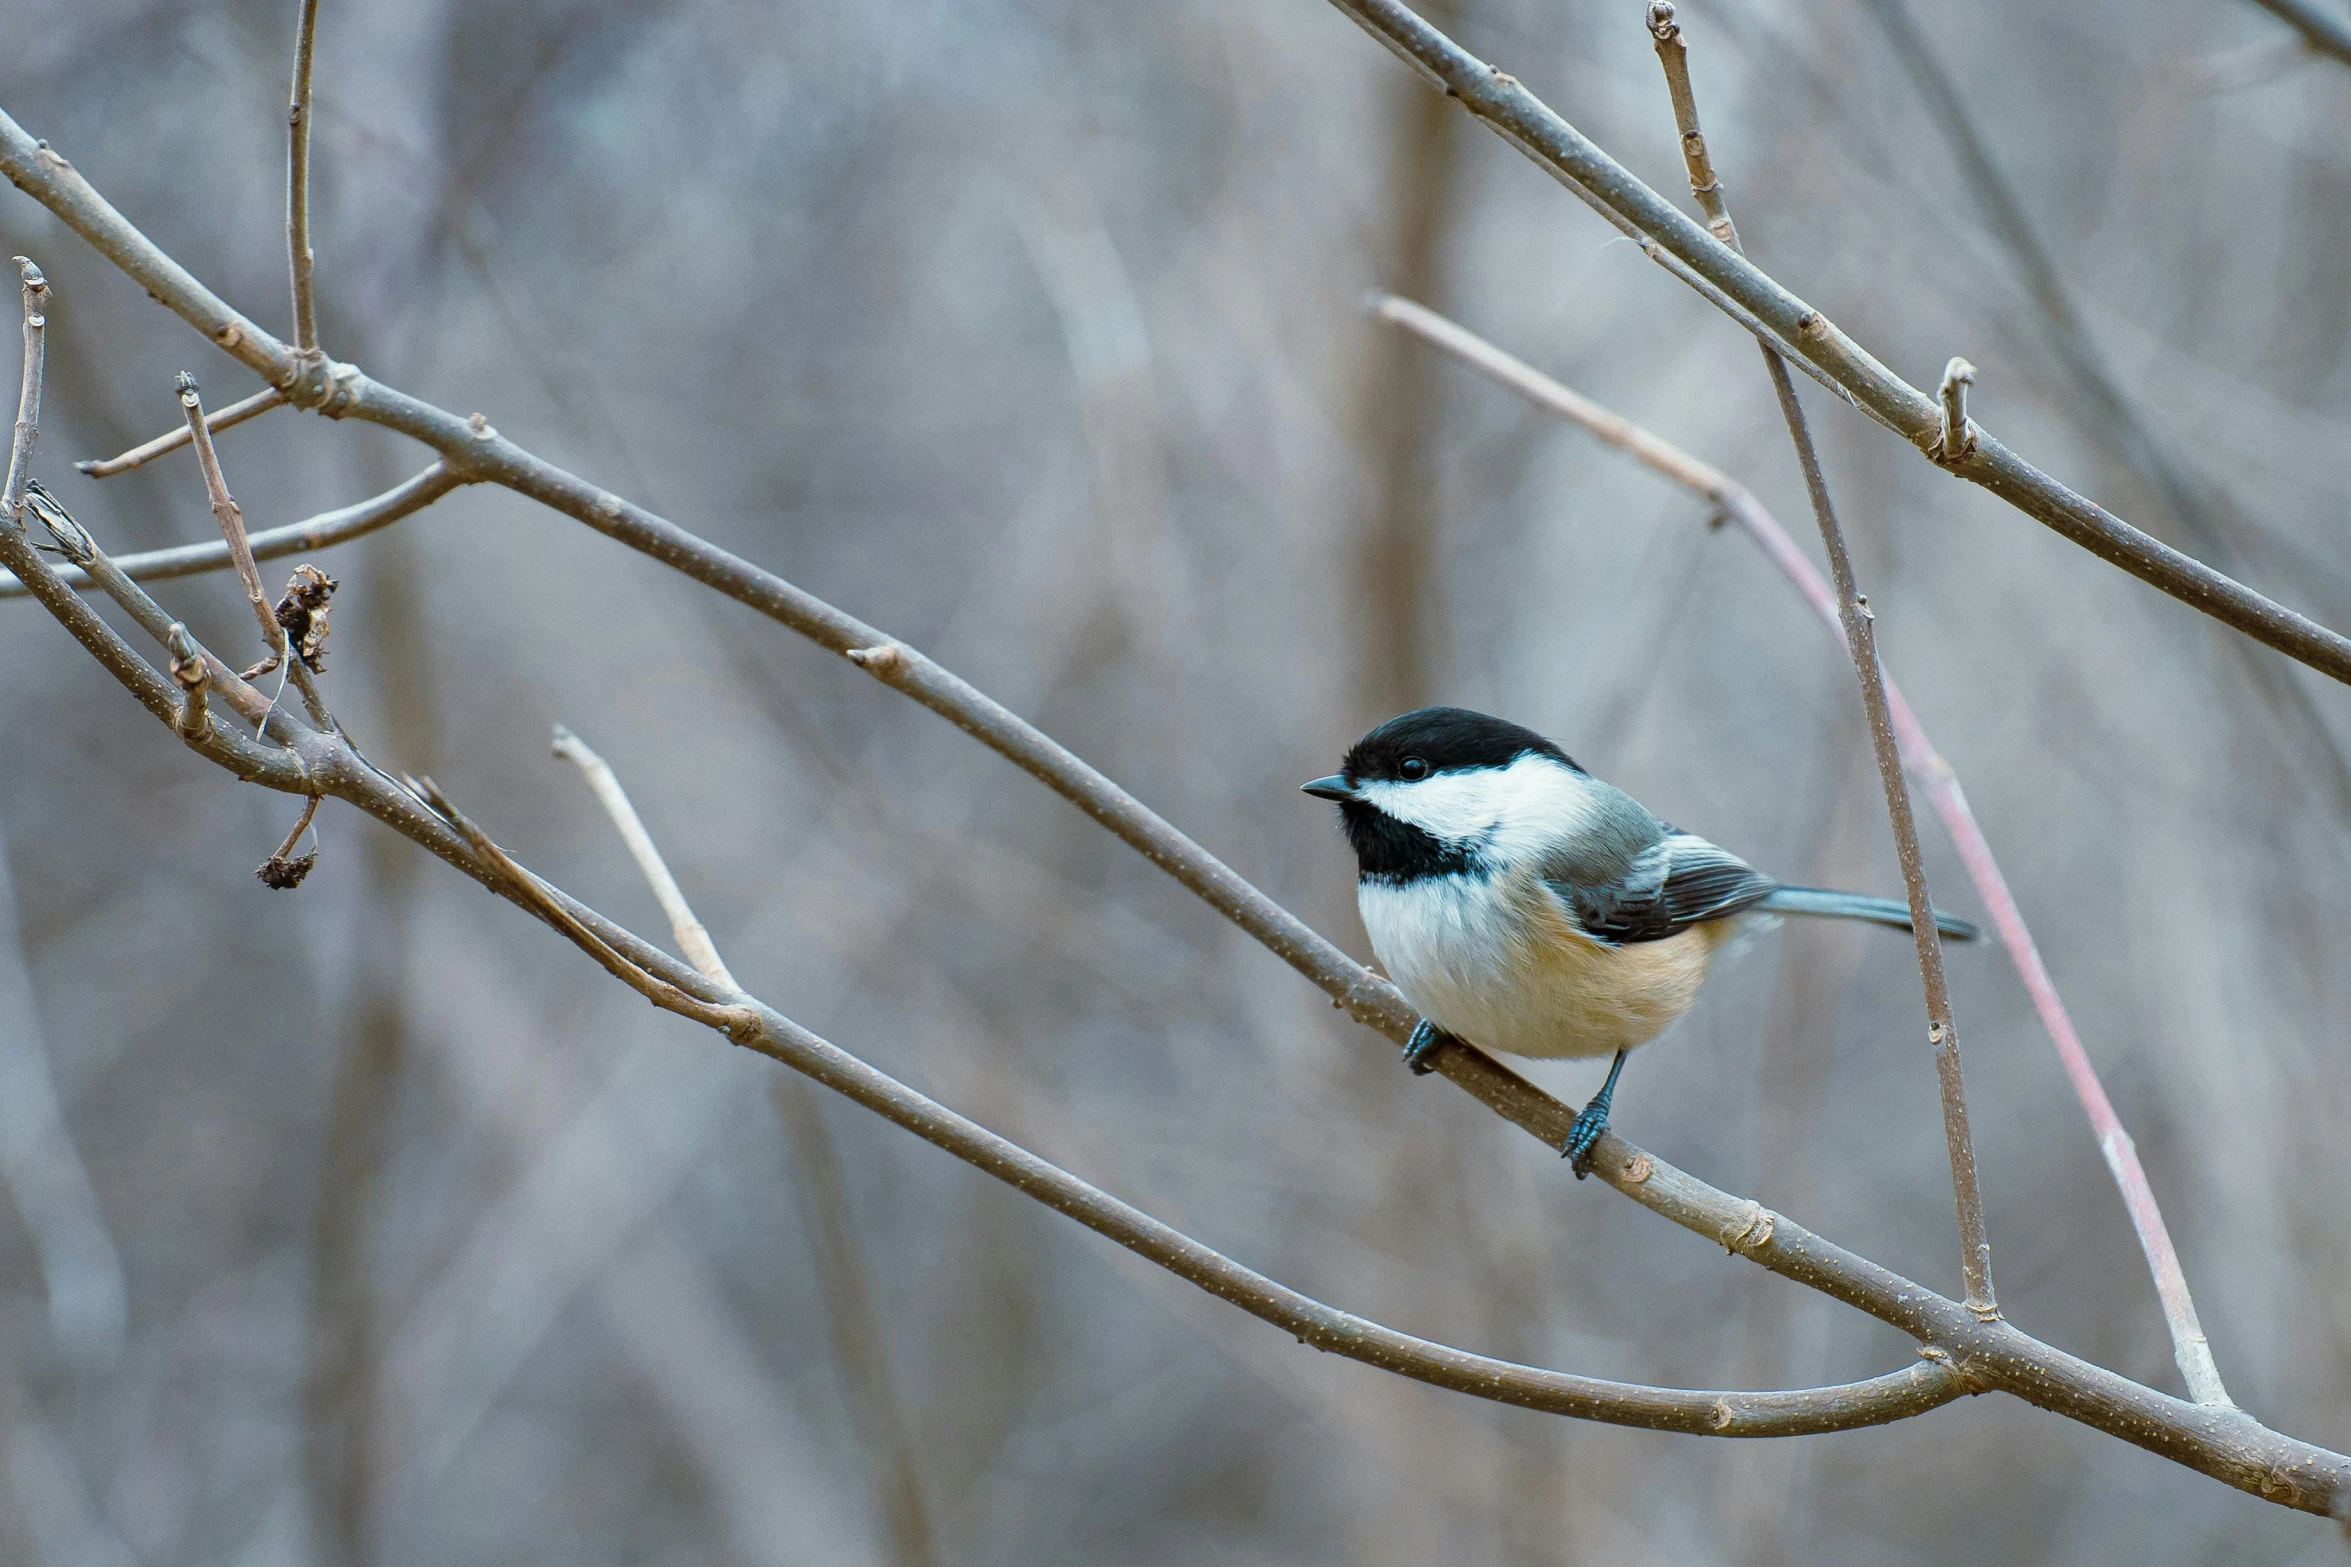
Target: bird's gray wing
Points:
x,y
1674,883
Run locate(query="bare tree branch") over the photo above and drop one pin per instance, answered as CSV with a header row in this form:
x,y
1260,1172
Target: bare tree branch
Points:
x,y
77,544
1927,769
298,255
295,538
28,401
692,938
425,815
1860,627
1793,326
231,518
219,419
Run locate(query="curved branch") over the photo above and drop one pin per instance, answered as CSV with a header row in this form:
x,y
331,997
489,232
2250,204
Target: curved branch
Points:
x,y
295,538
334,768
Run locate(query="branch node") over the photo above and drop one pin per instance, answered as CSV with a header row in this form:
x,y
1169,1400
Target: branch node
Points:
x,y
1749,1227
190,673
1957,442
1661,23
73,542
881,661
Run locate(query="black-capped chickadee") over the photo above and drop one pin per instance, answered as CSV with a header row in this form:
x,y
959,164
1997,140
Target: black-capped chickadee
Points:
x,y
1523,905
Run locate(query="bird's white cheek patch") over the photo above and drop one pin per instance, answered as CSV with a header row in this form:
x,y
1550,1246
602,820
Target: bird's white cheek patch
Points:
x,y
1514,809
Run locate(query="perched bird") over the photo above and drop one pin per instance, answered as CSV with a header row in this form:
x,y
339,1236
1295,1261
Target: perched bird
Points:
x,y
1523,905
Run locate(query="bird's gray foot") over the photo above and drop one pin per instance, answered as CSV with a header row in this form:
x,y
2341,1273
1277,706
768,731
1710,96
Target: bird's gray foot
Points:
x,y
1426,1037
1583,1133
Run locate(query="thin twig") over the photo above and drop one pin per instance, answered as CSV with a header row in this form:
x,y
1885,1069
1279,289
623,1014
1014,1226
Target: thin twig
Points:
x,y
506,877
1861,640
840,1262
219,419
1523,120
28,400
2328,34
692,938
1928,770
296,538
80,547
158,695
232,521
284,870
298,184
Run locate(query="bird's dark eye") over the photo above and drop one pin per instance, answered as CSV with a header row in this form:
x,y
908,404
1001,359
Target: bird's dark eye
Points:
x,y
1413,768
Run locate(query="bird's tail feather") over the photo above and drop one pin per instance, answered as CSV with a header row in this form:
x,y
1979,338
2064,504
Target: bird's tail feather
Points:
x,y
1859,906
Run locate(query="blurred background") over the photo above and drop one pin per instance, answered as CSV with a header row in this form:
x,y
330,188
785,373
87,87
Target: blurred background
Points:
x,y
368,1224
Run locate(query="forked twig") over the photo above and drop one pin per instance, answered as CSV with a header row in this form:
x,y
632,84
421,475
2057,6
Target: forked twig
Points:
x,y
231,519
692,938
219,419
510,879
1928,770
1861,640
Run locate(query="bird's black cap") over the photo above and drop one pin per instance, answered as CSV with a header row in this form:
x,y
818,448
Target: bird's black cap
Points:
x,y
1448,739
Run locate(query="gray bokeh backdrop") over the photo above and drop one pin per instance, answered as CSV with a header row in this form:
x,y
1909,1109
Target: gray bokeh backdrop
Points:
x,y
1030,332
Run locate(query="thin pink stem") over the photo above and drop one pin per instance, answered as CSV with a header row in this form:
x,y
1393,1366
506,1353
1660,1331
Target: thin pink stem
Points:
x,y
1919,759
1935,776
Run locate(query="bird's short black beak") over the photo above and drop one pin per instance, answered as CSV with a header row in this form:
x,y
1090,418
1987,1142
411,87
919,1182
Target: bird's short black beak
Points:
x,y
1332,788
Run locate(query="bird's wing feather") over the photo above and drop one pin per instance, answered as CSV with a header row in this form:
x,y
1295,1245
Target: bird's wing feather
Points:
x,y
1679,881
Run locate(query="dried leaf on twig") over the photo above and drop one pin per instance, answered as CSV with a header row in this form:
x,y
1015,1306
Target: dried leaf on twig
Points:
x,y
283,874
303,612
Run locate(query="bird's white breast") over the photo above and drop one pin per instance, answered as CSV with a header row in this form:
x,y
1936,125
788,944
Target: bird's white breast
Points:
x,y
1496,960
